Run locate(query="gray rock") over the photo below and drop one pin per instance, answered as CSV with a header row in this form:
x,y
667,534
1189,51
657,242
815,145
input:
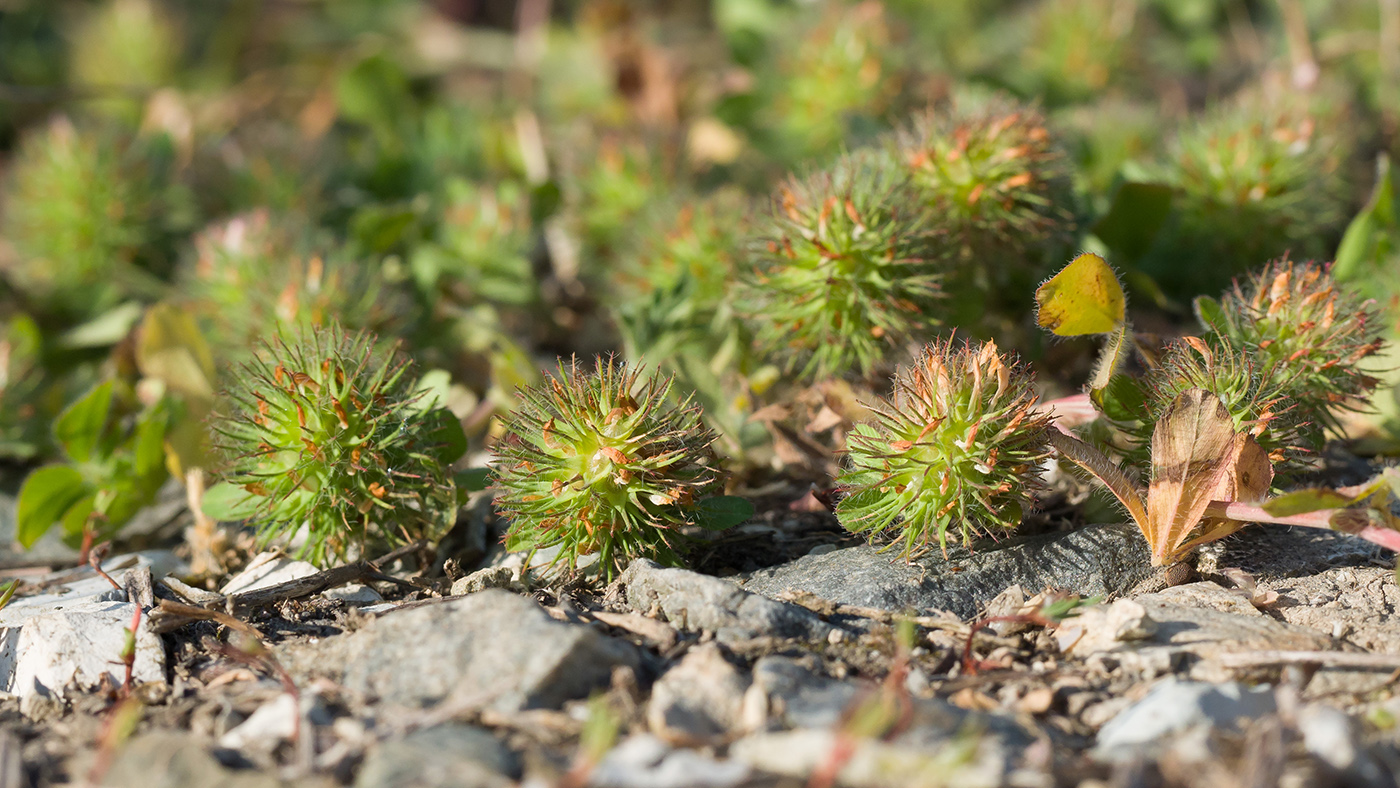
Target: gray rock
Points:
x,y
1276,551
700,698
353,594
799,697
447,756
1174,708
644,761
482,579
1094,561
1195,624
700,603
492,649
1352,603
176,760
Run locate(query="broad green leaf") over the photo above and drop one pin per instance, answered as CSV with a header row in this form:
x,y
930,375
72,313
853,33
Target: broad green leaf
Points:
x,y
148,445
1060,609
75,522
228,503
448,439
1377,217
473,479
1210,314
1304,501
1356,246
725,511
1121,400
545,200
1083,298
186,446
104,330
374,92
434,386
46,495
79,427
1134,219
24,340
170,348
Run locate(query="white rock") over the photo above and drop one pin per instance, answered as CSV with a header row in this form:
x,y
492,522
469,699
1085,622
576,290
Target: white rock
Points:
x,y
875,764
1328,735
644,761
83,584
77,644
1105,628
1173,708
271,724
354,594
84,607
482,579
267,570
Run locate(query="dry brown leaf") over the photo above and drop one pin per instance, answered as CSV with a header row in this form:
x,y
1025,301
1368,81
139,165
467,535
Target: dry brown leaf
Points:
x,y
1197,458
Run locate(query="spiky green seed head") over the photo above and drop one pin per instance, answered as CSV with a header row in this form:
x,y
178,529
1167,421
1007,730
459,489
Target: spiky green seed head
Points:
x,y
1077,48
1253,181
252,276
327,432
611,185
1254,390
697,240
483,247
956,449
842,273
78,214
994,177
838,68
603,462
1312,333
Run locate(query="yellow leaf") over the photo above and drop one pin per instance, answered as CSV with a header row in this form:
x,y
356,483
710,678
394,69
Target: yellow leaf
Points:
x,y
170,348
1083,298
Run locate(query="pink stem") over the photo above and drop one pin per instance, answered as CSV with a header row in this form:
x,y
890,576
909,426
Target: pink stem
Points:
x,y
1070,411
1252,513
1382,536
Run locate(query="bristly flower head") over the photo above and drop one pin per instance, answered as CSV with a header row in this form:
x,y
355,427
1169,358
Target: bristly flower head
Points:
x,y
843,272
329,433
1253,180
1312,331
603,462
994,177
955,449
251,276
80,211
1253,388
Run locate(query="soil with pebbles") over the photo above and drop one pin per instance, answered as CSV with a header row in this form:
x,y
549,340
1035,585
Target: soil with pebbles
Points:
x,y
795,656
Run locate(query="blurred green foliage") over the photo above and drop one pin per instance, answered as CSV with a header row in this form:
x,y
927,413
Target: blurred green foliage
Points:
x,y
496,183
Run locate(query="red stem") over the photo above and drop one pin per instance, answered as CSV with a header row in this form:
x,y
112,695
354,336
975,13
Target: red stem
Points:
x,y
1248,512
